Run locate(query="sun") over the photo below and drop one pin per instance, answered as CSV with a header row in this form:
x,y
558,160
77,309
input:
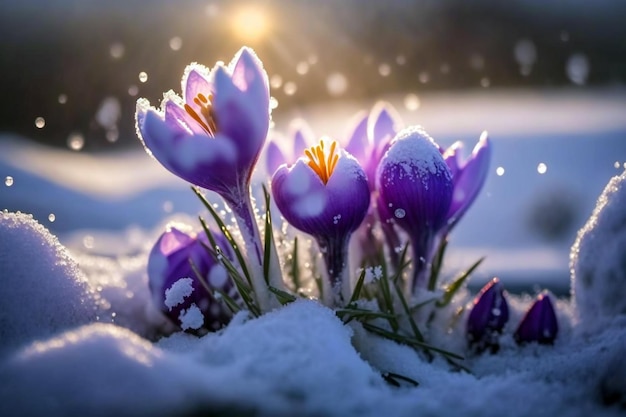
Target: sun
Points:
x,y
250,23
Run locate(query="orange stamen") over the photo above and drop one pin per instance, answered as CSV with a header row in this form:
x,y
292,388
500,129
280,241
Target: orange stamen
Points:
x,y
206,118
321,162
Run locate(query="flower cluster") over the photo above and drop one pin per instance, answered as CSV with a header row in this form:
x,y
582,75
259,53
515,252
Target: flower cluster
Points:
x,y
392,187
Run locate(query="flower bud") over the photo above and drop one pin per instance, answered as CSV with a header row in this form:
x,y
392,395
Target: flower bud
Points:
x,y
488,317
176,288
539,324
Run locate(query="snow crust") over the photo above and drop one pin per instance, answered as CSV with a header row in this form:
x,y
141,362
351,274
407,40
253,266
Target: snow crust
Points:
x,y
43,292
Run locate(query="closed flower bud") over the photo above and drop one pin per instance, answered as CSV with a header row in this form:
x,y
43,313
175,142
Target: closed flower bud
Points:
x,y
539,324
488,317
174,264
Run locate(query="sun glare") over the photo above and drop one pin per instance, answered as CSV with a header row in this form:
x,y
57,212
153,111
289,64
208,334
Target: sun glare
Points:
x,y
250,23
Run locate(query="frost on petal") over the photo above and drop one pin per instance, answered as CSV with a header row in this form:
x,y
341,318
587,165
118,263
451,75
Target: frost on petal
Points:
x,y
177,293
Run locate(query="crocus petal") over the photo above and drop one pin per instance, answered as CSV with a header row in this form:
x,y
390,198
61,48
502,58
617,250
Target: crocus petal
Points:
x,y
249,76
452,156
241,119
358,144
195,158
175,114
195,81
539,324
301,140
470,179
383,123
274,157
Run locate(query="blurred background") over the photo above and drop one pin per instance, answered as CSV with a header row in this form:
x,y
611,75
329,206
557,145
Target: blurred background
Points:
x,y
544,77
73,69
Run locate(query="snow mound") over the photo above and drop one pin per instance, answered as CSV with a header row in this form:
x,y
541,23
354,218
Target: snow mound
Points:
x,y
43,290
598,257
96,370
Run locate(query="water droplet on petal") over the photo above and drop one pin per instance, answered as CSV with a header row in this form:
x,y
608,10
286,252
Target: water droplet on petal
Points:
x,y
273,103
51,217
8,181
40,122
399,213
500,171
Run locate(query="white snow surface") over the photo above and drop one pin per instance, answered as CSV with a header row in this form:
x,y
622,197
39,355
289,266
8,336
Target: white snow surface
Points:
x,y
297,360
598,257
43,291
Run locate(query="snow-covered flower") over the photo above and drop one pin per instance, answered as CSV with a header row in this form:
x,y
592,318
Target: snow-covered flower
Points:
x,y
213,135
173,265
415,190
489,314
468,176
539,324
325,194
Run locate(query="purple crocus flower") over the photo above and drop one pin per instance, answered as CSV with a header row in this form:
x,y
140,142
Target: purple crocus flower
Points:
x,y
212,137
539,324
468,176
326,195
415,190
175,287
488,316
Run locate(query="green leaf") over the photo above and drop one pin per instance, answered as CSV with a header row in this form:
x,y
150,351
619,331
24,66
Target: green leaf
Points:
x,y
283,297
405,306
268,243
229,238
229,301
453,287
356,294
295,267
361,313
435,268
409,341
391,378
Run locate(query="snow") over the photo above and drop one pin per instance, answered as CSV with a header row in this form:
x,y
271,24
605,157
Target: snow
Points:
x,y
81,336
177,293
191,318
43,289
598,257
